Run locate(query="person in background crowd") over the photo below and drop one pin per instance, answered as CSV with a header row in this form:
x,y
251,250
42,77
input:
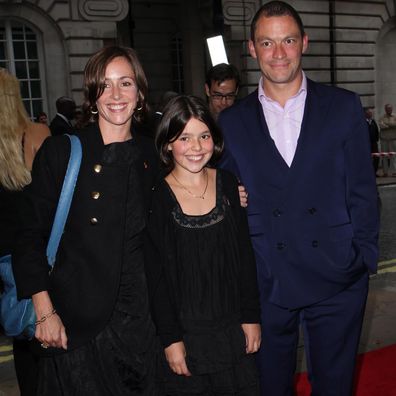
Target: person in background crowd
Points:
x,y
164,99
62,122
79,122
221,87
42,118
303,152
387,124
374,135
19,141
202,274
96,332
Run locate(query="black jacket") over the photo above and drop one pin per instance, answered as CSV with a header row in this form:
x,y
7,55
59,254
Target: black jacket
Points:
x,y
83,285
59,126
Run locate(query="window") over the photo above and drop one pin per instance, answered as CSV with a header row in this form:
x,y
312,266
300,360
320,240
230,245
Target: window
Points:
x,y
177,64
19,54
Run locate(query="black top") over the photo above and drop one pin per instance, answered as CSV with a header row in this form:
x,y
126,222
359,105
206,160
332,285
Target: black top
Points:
x,y
9,219
202,273
85,281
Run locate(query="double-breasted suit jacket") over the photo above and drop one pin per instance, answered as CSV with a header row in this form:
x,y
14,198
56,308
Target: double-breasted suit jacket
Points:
x,y
314,225
84,283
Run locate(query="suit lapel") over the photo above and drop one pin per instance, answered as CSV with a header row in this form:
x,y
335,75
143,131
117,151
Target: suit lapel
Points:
x,y
316,108
254,118
314,117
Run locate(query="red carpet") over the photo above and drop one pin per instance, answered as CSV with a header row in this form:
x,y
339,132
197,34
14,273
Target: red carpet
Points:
x,y
375,374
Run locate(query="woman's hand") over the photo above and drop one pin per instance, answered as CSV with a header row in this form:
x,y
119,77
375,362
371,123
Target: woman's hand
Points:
x,y
50,331
243,196
253,336
176,356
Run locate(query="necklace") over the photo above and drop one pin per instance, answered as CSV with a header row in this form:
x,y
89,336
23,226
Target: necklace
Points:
x,y
202,196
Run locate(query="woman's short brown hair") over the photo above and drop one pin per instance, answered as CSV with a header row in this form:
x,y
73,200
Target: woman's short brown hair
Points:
x,y
94,78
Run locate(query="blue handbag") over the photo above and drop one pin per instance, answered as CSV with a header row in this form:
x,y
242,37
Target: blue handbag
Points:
x,y
18,317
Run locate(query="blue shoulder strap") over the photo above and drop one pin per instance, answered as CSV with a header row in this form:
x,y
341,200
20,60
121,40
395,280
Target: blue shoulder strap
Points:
x,y
65,198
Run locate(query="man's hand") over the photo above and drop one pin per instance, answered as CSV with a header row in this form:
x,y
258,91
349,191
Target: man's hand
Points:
x,y
176,356
253,336
243,196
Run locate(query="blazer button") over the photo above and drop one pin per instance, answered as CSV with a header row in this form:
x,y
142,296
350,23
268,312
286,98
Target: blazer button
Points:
x,y
280,245
95,194
94,221
98,168
315,244
312,211
277,213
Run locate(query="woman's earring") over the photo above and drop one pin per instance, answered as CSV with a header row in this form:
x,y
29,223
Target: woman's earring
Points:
x,y
169,147
139,106
94,110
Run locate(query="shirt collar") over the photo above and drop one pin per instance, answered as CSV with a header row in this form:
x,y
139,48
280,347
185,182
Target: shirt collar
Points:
x,y
264,98
65,118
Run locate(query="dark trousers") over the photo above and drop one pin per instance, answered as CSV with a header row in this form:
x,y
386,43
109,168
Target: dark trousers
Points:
x,y
331,332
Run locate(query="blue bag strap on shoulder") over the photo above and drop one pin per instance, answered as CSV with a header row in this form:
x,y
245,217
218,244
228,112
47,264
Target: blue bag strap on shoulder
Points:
x,y
65,198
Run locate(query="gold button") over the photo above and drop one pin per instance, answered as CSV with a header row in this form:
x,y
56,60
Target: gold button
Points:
x,y
98,168
94,221
95,194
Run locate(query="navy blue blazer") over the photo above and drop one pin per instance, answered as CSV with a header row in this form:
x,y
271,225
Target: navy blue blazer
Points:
x,y
314,226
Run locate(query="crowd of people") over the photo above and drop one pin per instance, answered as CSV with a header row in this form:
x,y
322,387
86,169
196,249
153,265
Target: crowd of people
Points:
x,y
164,284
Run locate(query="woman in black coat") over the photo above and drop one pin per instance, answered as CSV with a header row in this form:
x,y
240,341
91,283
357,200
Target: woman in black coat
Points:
x,y
95,327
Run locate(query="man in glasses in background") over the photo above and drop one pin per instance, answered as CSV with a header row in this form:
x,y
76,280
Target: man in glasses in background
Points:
x,y
222,83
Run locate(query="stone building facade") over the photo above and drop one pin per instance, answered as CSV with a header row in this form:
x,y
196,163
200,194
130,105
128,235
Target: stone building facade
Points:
x,y
46,43
352,44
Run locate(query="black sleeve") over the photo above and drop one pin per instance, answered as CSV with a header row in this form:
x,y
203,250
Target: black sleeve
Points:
x,y
250,300
158,251
37,211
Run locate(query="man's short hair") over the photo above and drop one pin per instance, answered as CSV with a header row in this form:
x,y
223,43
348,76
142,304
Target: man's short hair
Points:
x,y
222,72
276,9
64,102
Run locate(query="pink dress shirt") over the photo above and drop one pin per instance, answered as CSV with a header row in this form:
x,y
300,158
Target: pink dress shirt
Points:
x,y
284,123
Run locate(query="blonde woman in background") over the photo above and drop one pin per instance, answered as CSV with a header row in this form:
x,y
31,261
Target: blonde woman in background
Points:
x,y
19,141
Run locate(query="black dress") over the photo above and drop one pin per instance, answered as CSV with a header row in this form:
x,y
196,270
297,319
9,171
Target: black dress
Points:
x,y
120,359
202,268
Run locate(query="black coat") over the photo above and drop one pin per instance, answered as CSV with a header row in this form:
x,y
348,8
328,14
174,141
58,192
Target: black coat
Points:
x,y
84,283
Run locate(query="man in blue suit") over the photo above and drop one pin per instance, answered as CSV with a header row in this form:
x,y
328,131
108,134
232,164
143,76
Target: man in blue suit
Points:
x,y
302,151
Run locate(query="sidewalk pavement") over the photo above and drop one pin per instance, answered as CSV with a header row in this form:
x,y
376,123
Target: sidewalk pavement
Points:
x,y
382,181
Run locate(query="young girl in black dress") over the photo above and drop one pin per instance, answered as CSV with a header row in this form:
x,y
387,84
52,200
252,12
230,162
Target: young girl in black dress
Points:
x,y
200,263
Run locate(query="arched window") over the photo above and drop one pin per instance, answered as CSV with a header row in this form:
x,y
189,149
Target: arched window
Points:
x,y
20,54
